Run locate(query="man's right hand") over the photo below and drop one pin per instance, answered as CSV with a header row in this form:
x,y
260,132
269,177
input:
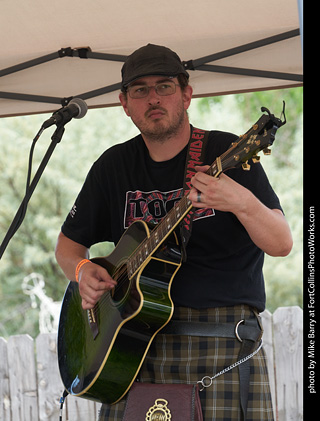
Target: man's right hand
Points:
x,y
94,281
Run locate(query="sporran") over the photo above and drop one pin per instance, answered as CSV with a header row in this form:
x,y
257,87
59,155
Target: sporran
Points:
x,y
163,402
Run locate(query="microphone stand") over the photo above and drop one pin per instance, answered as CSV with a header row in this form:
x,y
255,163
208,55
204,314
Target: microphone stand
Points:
x,y
17,221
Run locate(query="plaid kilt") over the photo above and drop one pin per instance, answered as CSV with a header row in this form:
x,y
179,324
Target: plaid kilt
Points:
x,y
187,359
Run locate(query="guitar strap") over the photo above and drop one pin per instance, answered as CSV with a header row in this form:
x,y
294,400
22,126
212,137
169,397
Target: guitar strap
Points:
x,y
195,156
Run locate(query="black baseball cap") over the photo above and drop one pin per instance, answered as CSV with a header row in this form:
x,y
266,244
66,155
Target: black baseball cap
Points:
x,y
151,60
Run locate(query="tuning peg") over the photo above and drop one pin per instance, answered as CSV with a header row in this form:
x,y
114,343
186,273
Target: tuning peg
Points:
x,y
267,151
255,159
246,166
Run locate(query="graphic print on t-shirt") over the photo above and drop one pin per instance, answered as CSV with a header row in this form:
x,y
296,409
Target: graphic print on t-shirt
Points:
x,y
153,206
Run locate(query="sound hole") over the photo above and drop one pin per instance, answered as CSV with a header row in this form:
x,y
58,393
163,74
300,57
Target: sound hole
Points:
x,y
125,295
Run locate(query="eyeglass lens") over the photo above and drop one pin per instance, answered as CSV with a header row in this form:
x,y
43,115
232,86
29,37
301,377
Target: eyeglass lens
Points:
x,y
141,91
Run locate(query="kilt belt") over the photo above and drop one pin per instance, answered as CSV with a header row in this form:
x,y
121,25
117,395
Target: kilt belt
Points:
x,y
247,331
243,330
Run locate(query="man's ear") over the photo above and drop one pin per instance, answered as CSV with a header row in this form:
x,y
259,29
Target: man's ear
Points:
x,y
123,100
187,96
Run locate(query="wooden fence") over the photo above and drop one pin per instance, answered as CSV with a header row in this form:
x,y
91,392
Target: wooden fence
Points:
x,y
30,386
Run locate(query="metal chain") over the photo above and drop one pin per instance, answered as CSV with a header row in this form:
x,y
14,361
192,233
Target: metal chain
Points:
x,y
207,381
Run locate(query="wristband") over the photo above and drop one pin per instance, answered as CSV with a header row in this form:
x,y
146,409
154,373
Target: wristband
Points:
x,y
79,265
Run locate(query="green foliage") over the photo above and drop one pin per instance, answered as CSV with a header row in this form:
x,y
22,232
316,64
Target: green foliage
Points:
x,y
32,247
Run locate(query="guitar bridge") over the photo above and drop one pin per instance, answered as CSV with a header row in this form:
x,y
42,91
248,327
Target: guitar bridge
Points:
x,y
93,323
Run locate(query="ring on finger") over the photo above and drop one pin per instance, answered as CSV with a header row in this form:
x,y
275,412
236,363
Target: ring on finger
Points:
x,y
199,197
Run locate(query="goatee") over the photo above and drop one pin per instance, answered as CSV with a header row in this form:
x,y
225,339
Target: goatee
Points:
x,y
162,131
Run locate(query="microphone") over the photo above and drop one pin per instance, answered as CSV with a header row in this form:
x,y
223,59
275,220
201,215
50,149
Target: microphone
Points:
x,y
76,108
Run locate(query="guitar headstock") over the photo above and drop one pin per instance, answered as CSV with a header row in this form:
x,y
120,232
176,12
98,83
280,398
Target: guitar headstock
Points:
x,y
259,137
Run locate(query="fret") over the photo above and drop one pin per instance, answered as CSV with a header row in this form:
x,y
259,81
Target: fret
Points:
x,y
156,238
130,270
146,250
177,209
213,169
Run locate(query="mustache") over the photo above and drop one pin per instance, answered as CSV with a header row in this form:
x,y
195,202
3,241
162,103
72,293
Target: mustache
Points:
x,y
155,108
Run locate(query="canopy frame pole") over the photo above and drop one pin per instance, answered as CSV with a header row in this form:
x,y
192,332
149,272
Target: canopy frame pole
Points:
x,y
197,64
194,64
250,72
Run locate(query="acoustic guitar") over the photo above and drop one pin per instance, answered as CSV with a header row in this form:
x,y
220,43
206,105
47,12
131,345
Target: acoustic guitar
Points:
x,y
100,351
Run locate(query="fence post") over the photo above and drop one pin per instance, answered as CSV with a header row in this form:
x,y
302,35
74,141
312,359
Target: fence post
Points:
x,y
22,378
288,339
5,408
81,409
268,345
50,387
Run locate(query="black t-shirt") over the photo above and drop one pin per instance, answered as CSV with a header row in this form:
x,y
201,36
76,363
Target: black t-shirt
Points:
x,y
223,266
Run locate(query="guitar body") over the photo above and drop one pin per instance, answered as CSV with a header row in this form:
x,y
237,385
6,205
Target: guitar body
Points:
x,y
100,351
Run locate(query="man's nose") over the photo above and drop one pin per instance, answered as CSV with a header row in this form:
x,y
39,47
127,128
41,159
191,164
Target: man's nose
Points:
x,y
153,96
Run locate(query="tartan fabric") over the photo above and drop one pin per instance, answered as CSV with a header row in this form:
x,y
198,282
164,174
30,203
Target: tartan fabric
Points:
x,y
186,359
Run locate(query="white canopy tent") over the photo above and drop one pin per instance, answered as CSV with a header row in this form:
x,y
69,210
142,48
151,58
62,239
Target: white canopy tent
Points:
x,y
53,51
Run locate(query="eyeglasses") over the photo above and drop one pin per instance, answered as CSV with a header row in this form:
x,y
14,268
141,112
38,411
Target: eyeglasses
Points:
x,y
162,89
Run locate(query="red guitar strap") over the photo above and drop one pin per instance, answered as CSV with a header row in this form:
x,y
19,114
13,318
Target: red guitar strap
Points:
x,y
195,156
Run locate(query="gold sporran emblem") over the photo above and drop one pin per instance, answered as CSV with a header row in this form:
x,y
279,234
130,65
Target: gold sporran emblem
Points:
x,y
159,411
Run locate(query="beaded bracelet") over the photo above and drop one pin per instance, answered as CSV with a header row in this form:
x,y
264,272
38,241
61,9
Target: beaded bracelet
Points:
x,y
79,265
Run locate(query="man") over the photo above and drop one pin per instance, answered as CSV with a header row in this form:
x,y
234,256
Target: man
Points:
x,y
238,219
